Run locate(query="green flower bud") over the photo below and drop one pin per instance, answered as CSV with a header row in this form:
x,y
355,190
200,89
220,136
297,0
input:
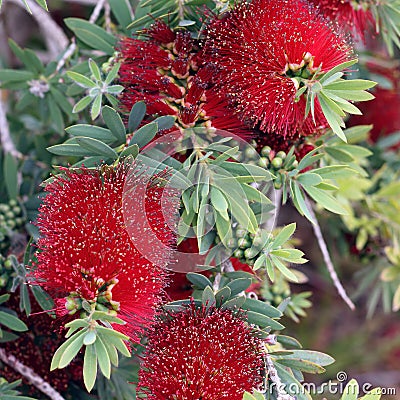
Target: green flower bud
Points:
x,y
13,203
244,243
281,154
238,254
16,210
265,151
250,153
277,162
250,253
8,264
240,232
263,162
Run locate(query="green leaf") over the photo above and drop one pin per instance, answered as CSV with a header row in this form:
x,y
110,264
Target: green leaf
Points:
x,y
61,100
55,114
11,75
122,12
334,121
339,154
144,135
60,351
112,74
43,4
218,200
284,235
351,391
81,80
91,131
165,122
103,358
263,321
239,285
136,115
10,170
89,338
95,147
71,351
307,355
309,179
200,281
12,322
114,123
233,304
4,298
208,298
82,104
302,365
222,295
351,84
261,308
90,367
68,150
283,269
96,107
299,201
336,69
92,35
95,70
292,385
324,199
130,151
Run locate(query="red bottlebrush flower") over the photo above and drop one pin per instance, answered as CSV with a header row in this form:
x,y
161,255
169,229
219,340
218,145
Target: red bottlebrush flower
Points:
x,y
201,354
85,251
259,48
353,16
167,72
384,112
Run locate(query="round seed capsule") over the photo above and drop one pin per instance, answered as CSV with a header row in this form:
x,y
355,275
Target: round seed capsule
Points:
x,y
238,253
265,151
277,162
244,243
281,154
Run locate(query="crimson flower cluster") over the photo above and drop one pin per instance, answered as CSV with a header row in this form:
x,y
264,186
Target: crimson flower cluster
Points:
x,y
201,353
86,253
167,72
242,76
352,16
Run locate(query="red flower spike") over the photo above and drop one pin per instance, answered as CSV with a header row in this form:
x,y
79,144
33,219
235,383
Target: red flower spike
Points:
x,y
171,77
355,17
160,32
258,48
201,354
85,251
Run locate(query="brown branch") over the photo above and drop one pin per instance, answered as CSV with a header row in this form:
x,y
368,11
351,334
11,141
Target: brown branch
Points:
x,y
327,258
30,375
5,136
56,40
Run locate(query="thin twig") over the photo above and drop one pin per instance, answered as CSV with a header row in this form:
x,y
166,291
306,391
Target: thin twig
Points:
x,y
5,136
270,225
55,38
226,266
30,375
72,47
327,258
96,12
276,380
